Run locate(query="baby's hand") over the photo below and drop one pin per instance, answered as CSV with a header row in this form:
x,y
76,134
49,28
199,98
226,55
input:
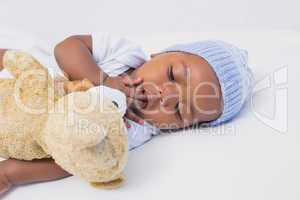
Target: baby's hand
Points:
x,y
5,183
139,100
119,83
134,91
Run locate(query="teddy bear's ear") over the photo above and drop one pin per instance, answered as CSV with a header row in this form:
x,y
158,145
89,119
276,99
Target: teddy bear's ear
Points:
x,y
17,62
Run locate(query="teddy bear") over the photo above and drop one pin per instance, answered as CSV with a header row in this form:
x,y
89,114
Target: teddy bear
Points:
x,y
74,123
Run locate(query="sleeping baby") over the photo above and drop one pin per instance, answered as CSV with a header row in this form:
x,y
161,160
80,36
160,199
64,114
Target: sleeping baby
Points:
x,y
185,85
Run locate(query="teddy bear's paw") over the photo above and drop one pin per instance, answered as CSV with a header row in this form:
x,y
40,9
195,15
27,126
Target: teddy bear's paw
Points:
x,y
79,85
109,185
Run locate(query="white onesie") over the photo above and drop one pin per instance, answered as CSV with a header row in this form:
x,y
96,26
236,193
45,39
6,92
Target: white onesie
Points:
x,y
114,55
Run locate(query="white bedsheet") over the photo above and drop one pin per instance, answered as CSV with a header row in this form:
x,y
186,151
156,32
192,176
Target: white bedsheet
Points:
x,y
253,157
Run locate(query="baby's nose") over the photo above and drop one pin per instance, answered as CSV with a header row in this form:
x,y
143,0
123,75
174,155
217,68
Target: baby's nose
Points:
x,y
170,100
167,96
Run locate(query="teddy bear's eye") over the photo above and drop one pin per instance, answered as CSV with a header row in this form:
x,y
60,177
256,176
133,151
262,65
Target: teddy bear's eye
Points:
x,y
115,103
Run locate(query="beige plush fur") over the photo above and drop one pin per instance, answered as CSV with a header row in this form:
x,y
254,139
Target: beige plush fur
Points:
x,y
40,119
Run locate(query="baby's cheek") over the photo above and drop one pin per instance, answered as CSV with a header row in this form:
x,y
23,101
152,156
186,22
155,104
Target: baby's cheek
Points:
x,y
163,121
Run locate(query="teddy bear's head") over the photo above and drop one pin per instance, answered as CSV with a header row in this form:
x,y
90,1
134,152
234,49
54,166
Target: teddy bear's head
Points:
x,y
86,136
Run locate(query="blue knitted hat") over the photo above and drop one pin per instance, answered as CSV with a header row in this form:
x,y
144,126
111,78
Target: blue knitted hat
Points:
x,y
231,67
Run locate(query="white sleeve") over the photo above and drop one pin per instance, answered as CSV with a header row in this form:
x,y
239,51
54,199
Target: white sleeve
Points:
x,y
115,54
140,134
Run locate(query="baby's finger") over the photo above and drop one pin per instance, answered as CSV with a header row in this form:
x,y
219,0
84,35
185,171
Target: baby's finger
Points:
x,y
134,93
134,102
131,82
134,117
129,101
137,81
140,93
127,80
128,91
131,92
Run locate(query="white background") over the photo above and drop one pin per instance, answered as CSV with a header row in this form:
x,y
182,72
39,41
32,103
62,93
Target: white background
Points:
x,y
148,16
251,160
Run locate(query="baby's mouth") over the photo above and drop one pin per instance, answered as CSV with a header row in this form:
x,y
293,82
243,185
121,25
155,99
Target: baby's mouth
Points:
x,y
142,103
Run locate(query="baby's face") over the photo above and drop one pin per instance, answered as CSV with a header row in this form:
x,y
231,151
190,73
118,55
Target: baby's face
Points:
x,y
181,88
